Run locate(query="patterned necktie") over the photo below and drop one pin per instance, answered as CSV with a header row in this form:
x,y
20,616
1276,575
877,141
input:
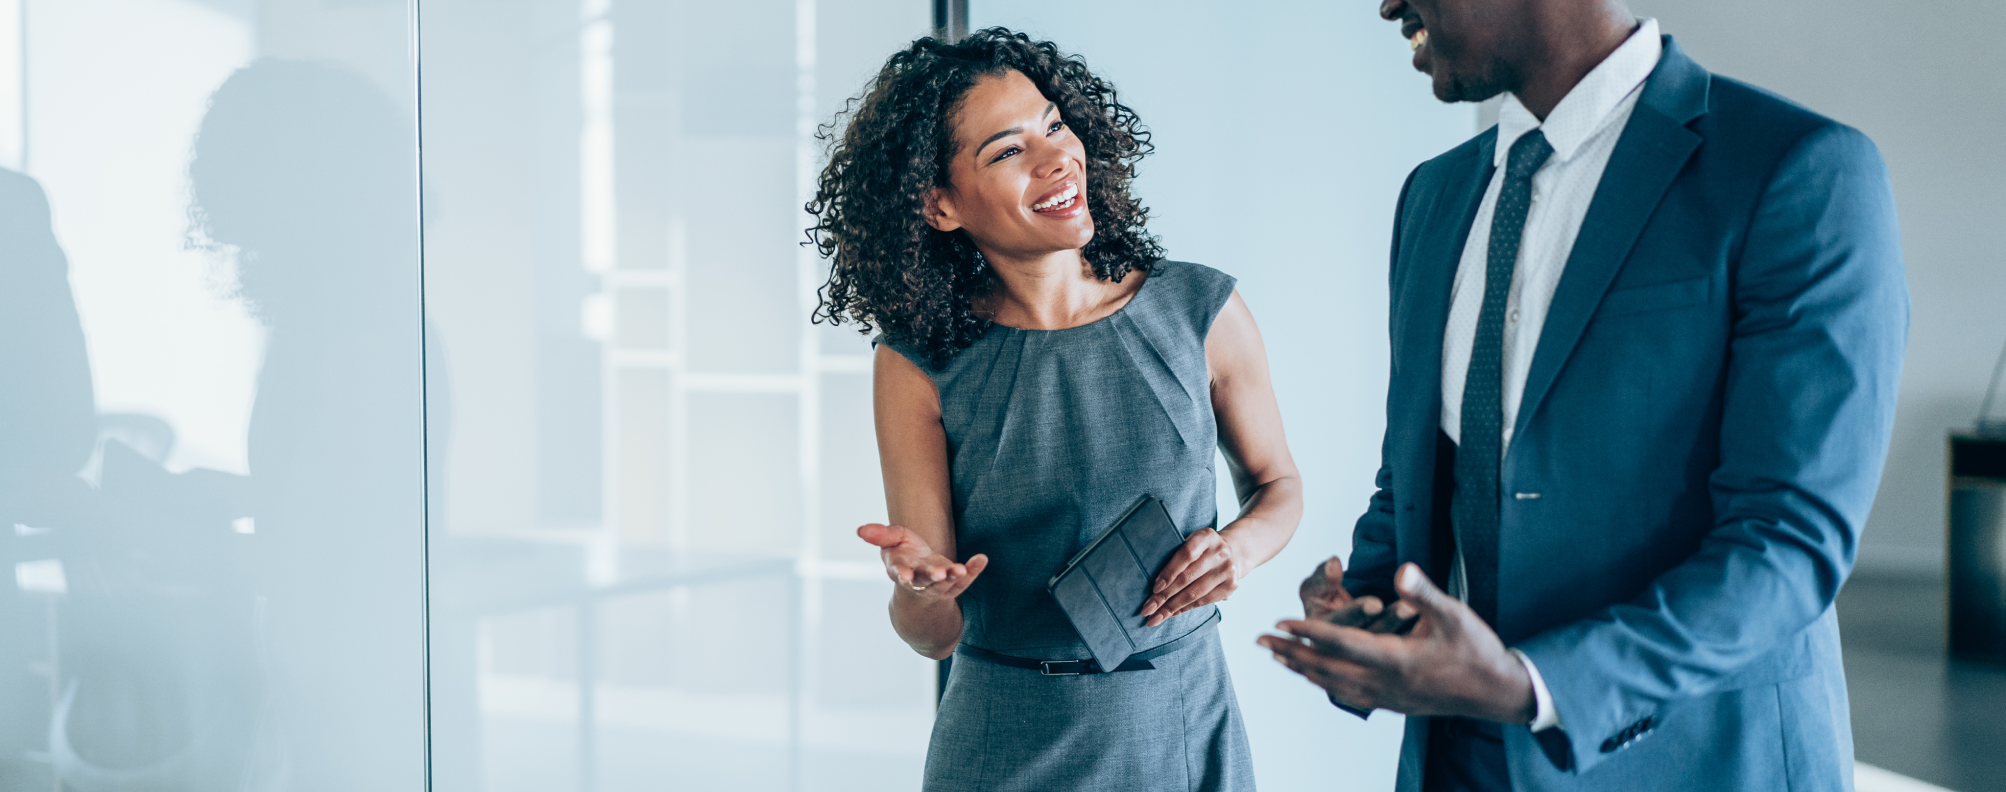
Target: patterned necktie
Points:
x,y
1481,447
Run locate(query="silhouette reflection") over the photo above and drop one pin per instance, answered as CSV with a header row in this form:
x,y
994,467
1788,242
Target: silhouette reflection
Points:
x,y
48,427
126,657
307,172
199,630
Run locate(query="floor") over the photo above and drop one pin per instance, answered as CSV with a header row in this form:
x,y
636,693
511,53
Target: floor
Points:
x,y
1916,711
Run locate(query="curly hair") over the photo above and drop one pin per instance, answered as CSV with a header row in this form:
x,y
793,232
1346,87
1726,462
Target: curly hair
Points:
x,y
889,268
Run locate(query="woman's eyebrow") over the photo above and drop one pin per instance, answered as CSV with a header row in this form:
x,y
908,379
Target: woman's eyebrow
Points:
x,y
1049,107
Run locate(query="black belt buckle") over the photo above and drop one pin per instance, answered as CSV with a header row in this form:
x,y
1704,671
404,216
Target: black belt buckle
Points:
x,y
1068,667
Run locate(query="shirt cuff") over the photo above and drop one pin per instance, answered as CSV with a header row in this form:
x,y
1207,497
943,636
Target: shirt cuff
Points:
x,y
1544,715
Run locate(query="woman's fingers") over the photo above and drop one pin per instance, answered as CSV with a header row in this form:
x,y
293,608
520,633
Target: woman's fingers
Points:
x,y
1214,586
1199,555
1176,575
881,534
938,577
1200,544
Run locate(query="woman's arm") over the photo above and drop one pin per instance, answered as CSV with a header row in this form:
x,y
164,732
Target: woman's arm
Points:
x,y
918,547
1209,566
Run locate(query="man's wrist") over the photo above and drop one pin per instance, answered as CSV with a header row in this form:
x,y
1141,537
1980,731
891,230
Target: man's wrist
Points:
x,y
1544,715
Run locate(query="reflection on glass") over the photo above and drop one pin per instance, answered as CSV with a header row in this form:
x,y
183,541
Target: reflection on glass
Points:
x,y
210,384
644,485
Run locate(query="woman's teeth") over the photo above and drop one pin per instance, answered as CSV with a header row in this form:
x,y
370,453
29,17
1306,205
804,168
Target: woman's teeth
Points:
x,y
1060,201
1419,40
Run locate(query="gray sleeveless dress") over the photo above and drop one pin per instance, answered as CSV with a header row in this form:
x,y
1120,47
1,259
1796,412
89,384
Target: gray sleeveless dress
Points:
x,y
1051,435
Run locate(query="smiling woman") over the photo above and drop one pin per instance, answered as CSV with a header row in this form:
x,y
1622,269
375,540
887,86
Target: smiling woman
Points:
x,y
1040,370
918,281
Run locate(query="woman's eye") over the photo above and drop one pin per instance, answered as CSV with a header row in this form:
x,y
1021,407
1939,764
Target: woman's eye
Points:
x,y
1006,154
1056,126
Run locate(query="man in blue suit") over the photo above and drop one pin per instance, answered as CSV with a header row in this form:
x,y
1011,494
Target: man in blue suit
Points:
x,y
1646,335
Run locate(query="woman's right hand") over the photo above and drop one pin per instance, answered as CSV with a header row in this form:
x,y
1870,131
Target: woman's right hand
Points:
x,y
916,567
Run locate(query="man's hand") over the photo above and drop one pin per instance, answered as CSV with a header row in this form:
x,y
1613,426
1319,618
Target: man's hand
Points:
x,y
1203,571
914,565
1450,664
1325,599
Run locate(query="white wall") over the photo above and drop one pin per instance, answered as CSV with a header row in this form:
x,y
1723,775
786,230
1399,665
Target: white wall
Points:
x,y
1924,81
1283,132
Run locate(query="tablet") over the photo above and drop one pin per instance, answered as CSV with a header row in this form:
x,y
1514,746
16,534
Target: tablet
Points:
x,y
1104,585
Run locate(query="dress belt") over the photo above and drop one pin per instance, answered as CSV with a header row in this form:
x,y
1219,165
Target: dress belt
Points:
x,y
1135,662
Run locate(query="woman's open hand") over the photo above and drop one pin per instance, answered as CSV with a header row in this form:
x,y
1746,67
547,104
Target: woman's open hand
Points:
x,y
916,567
1205,570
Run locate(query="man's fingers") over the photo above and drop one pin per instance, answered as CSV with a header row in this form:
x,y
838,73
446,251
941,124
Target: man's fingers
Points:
x,y
1349,682
1356,613
1312,662
1323,591
1349,643
1415,588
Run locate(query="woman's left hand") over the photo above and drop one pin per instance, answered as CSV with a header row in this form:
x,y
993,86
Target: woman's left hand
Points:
x,y
1205,570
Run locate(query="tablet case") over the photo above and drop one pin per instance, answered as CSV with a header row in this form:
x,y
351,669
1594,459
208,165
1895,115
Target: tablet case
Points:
x,y
1104,585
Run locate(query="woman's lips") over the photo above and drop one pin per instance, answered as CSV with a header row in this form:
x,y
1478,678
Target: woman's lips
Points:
x,y
1063,202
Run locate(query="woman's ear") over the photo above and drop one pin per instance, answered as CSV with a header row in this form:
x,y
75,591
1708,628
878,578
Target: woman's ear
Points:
x,y
939,211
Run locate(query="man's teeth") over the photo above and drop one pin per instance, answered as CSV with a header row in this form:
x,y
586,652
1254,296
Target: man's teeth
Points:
x,y
1419,40
1061,199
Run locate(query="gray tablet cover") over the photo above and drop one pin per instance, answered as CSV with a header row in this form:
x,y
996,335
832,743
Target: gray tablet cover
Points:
x,y
1104,585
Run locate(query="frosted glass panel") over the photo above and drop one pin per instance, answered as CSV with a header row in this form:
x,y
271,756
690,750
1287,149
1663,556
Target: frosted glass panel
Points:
x,y
646,463
211,459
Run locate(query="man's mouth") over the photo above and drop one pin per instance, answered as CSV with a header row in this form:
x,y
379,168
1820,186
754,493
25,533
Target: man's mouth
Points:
x,y
1414,30
1060,200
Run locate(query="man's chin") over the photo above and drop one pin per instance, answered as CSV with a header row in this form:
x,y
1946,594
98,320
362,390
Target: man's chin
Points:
x,y
1450,89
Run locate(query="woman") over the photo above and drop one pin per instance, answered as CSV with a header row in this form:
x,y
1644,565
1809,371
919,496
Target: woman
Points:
x,y
1041,369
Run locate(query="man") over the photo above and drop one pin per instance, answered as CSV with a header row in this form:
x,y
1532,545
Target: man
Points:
x,y
1646,335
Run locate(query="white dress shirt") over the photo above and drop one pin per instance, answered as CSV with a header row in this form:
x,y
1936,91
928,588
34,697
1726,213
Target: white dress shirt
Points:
x,y
1583,130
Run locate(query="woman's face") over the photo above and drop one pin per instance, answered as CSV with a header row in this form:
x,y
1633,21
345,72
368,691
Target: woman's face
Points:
x,y
1019,174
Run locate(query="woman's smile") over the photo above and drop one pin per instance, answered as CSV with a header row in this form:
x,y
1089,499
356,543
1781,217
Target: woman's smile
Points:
x,y
1063,202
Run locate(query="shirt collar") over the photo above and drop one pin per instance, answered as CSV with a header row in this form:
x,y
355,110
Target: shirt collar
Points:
x,y
1592,104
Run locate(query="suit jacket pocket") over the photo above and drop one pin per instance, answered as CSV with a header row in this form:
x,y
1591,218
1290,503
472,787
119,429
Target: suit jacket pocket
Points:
x,y
1657,297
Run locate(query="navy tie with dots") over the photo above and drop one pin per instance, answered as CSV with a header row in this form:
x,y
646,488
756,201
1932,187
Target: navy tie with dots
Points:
x,y
1475,510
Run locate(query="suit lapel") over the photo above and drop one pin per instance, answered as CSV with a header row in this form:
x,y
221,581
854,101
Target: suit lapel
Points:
x,y
1421,313
1431,272
1653,149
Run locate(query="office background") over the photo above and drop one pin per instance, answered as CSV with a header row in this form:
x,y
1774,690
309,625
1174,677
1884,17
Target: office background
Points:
x,y
431,397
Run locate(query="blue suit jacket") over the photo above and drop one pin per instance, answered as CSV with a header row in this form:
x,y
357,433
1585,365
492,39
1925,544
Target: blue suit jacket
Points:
x,y
1703,429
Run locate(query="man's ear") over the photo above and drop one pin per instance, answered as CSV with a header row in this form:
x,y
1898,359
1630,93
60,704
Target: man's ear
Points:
x,y
939,211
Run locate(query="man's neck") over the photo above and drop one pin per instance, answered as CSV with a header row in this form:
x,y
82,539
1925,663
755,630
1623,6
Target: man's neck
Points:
x,y
1571,50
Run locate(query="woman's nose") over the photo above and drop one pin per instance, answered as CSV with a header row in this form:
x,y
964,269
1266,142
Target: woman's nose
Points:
x,y
1051,159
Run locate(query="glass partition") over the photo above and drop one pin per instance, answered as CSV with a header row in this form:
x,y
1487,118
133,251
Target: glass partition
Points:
x,y
646,463
211,455
572,481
